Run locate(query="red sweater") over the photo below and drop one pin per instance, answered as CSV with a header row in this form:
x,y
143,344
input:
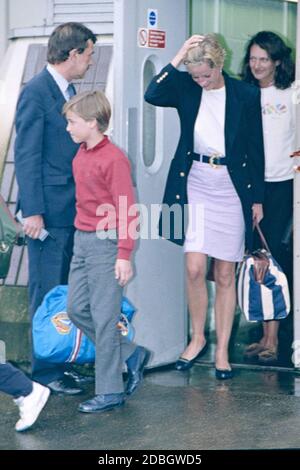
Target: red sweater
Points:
x,y
102,177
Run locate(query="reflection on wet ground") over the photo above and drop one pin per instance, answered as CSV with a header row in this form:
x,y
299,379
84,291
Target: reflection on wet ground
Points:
x,y
251,380
257,409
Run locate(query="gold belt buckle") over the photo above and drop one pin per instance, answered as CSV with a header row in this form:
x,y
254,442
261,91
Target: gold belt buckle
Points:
x,y
212,159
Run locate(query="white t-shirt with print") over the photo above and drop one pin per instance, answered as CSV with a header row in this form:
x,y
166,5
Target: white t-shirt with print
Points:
x,y
279,129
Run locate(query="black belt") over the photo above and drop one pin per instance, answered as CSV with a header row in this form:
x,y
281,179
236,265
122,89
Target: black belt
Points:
x,y
213,160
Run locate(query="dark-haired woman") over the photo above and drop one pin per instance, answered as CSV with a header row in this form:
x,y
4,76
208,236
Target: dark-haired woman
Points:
x,y
268,65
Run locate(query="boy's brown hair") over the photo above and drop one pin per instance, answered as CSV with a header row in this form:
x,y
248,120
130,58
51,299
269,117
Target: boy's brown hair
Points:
x,y
90,105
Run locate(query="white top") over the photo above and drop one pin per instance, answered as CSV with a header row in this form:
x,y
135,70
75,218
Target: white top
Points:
x,y
209,137
279,129
61,82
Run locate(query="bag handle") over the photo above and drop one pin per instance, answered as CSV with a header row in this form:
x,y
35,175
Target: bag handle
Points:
x,y
261,236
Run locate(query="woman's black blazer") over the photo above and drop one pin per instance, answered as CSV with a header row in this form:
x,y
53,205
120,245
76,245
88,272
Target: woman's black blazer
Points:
x,y
243,145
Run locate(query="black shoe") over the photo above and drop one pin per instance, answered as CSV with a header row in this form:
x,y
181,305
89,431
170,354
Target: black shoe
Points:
x,y
79,379
224,374
184,364
102,403
136,364
60,386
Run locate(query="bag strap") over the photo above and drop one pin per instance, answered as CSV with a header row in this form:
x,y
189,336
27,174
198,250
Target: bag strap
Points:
x,y
261,236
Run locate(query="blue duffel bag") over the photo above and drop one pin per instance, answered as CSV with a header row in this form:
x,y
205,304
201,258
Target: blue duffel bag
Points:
x,y
56,339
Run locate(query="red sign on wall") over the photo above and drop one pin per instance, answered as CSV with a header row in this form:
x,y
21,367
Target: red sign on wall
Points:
x,y
156,38
151,38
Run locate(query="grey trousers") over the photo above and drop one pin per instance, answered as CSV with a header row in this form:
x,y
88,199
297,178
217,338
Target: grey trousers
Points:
x,y
94,303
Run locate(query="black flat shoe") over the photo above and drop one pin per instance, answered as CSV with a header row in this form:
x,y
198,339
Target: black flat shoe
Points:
x,y
184,364
224,374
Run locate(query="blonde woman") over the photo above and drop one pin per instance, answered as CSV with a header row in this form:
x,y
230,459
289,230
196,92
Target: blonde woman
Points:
x,y
218,169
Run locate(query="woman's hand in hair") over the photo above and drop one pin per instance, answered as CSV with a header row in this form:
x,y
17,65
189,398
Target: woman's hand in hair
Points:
x,y
191,42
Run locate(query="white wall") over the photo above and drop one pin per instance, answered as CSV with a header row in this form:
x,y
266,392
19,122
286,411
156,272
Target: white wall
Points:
x,y
3,27
16,14
27,13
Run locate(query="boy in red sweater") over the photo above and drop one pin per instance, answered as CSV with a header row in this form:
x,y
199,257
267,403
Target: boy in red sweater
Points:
x,y
101,263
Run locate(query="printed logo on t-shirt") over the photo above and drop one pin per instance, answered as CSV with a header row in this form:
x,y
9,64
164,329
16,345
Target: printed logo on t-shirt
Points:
x,y
275,110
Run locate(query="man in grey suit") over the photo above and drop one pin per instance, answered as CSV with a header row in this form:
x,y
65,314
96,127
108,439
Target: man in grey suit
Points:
x,y
44,152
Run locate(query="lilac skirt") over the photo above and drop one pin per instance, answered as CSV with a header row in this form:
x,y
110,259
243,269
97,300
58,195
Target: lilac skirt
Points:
x,y
216,223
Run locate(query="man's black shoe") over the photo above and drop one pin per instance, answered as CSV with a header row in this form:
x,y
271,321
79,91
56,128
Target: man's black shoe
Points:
x,y
79,379
136,364
60,386
102,403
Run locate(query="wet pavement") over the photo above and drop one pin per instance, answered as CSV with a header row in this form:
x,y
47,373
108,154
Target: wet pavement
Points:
x,y
258,409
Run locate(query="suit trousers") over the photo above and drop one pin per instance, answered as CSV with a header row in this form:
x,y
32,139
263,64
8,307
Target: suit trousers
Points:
x,y
94,303
14,382
278,212
49,264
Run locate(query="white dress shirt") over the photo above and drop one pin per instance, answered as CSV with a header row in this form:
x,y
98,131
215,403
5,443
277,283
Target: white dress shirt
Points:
x,y
61,82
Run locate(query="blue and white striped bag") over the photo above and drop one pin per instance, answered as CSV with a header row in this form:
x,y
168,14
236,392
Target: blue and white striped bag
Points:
x,y
262,295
